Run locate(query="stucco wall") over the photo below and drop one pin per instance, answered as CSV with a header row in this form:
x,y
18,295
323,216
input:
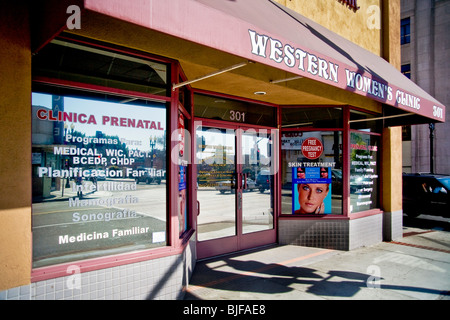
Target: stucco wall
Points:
x,y
360,27
15,155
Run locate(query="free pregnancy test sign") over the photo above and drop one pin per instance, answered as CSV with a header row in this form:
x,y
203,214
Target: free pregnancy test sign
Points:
x,y
312,148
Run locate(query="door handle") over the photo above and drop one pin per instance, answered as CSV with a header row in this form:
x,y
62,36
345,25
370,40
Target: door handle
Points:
x,y
245,180
239,199
198,208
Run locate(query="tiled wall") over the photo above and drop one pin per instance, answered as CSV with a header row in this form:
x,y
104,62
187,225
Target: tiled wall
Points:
x,y
332,234
392,225
365,231
158,279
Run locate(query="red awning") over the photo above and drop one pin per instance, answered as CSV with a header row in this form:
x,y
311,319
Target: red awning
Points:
x,y
268,33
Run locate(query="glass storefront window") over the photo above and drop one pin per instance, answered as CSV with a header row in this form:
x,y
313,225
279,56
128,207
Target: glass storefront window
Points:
x,y
360,120
364,172
99,177
315,117
74,62
311,172
219,108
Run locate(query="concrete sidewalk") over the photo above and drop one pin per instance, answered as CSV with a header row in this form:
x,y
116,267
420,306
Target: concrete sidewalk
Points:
x,y
414,267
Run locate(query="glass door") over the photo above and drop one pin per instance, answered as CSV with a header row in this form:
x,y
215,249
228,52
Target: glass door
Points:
x,y
216,183
235,189
257,181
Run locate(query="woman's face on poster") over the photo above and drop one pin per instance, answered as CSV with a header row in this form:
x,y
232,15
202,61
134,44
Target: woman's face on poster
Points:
x,y
311,197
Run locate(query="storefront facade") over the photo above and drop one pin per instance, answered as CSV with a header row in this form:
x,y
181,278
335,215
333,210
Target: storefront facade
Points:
x,y
167,132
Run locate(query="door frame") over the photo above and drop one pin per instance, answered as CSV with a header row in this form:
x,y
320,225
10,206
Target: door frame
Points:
x,y
240,241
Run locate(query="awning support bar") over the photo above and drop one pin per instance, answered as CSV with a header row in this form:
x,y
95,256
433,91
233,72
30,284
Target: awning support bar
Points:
x,y
236,66
382,118
286,80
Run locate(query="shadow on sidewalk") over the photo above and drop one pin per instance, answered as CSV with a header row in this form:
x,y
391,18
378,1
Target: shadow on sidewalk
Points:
x,y
255,277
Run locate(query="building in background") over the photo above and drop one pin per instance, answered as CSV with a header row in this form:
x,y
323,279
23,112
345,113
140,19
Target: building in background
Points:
x,y
425,46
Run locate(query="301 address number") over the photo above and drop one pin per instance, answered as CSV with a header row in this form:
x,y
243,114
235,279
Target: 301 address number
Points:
x,y
438,112
237,116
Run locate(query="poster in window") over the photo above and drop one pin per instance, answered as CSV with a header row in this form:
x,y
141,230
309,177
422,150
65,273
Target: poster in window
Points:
x,y
311,190
182,174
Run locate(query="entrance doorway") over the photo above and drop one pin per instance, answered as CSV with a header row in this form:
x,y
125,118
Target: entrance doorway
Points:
x,y
235,188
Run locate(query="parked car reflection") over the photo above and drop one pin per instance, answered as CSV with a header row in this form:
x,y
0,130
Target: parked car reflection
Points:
x,y
336,181
148,175
229,186
263,181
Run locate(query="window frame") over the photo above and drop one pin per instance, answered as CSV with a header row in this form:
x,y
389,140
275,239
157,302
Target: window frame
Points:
x,y
322,216
360,214
379,174
175,244
405,30
346,152
406,70
340,129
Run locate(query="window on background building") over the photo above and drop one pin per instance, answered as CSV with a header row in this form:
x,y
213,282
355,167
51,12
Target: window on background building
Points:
x,y
405,31
98,159
406,133
406,70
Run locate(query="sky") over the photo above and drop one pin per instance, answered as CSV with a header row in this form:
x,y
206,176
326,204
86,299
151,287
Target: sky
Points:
x,y
100,108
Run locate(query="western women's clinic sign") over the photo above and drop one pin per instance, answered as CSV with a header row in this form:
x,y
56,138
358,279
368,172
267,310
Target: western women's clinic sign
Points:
x,y
326,70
